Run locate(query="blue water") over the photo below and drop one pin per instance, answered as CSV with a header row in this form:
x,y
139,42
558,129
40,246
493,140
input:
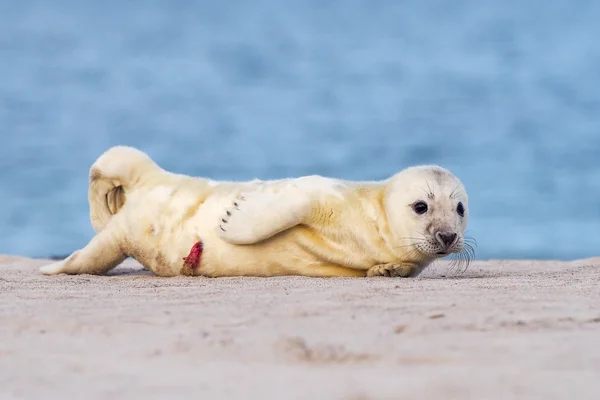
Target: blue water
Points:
x,y
504,93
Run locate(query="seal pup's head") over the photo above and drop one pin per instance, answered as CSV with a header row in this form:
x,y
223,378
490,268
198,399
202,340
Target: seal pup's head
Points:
x,y
427,209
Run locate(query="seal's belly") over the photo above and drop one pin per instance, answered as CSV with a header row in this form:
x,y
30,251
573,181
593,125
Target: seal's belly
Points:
x,y
296,251
159,250
162,246
163,233
160,235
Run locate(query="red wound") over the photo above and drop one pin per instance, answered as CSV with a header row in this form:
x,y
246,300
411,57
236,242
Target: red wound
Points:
x,y
193,259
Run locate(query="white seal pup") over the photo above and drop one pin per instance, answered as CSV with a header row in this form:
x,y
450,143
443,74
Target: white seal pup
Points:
x,y
315,226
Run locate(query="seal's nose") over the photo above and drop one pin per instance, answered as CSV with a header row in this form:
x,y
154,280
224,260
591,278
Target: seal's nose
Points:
x,y
446,239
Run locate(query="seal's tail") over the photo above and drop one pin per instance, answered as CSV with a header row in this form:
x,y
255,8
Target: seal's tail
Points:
x,y
114,173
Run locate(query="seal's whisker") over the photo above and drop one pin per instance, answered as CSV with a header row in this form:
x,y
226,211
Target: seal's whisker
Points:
x,y
472,251
467,236
422,234
411,238
460,261
426,192
463,261
415,241
431,195
455,266
468,260
412,253
456,192
404,245
470,240
469,254
469,248
454,262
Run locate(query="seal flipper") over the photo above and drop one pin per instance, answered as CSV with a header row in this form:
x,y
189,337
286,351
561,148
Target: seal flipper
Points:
x,y
98,257
256,216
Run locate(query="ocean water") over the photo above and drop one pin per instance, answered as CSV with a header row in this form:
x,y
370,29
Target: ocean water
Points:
x,y
505,94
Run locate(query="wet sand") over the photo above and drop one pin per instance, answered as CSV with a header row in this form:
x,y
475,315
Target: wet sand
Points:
x,y
501,330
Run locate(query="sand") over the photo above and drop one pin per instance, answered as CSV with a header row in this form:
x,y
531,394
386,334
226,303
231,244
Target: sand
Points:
x,y
502,330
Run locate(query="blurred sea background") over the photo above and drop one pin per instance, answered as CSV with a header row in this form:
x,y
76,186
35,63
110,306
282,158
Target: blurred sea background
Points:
x,y
505,94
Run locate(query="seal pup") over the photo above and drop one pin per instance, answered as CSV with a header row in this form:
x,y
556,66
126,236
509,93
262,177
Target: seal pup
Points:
x,y
174,224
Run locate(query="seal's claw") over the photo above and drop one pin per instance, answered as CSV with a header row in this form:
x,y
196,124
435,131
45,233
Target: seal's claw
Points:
x,y
254,217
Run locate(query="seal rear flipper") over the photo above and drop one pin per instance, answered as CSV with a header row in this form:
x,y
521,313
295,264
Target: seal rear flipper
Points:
x,y
98,257
257,216
115,172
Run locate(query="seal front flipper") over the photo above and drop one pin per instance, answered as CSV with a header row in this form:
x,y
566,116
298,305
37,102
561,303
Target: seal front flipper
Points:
x,y
402,270
256,216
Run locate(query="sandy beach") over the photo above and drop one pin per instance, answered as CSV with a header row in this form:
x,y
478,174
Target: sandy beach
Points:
x,y
502,330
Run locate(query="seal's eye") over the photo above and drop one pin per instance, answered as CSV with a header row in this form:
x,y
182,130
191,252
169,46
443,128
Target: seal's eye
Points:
x,y
420,207
460,209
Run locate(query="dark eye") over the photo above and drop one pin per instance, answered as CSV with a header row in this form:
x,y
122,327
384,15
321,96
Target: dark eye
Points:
x,y
460,209
420,207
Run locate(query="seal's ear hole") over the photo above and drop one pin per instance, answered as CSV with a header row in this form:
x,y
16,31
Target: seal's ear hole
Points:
x,y
460,209
115,199
420,207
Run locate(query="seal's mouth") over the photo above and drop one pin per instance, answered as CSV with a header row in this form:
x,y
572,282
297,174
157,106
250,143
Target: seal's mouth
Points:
x,y
441,253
